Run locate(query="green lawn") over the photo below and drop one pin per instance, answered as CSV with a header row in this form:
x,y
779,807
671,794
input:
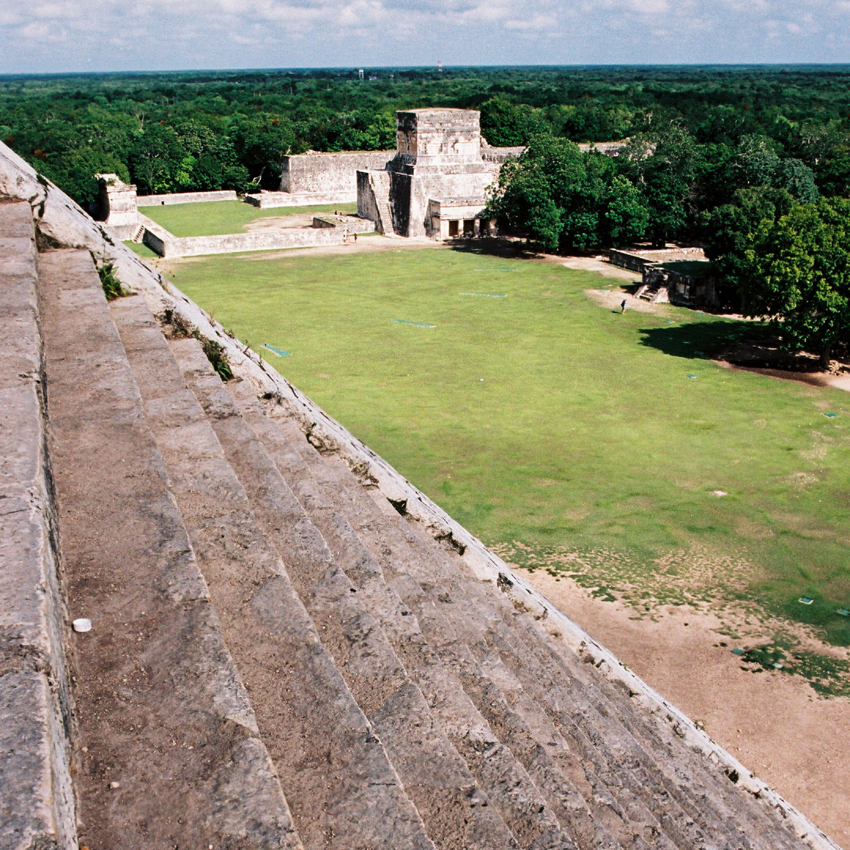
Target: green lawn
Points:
x,y
141,249
223,217
561,432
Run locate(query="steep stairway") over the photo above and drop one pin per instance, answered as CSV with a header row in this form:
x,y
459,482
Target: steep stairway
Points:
x,y
655,290
279,658
380,182
439,783
342,787
166,746
542,691
36,797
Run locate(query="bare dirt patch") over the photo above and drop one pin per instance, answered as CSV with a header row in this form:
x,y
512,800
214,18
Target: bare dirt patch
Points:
x,y
612,298
600,266
765,357
773,723
838,380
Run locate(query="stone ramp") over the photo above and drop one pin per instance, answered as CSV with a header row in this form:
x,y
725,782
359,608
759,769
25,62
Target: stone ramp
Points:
x,y
281,657
165,742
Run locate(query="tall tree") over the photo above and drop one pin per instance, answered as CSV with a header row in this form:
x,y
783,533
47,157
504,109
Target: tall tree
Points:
x,y
797,274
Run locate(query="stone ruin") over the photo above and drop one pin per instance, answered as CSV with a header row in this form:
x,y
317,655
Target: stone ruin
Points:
x,y
226,623
117,206
664,278
436,184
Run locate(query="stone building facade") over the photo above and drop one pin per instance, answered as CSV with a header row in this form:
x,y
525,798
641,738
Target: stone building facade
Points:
x,y
436,184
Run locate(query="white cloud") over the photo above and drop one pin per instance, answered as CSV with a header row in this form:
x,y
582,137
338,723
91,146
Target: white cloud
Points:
x,y
257,33
649,7
536,23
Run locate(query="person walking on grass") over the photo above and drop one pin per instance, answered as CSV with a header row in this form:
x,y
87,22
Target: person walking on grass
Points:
x,y
623,306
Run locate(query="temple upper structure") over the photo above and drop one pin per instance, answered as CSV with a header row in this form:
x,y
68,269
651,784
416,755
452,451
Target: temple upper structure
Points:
x,y
436,185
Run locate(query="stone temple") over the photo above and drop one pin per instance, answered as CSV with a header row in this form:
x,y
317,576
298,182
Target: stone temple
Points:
x,y
436,185
226,623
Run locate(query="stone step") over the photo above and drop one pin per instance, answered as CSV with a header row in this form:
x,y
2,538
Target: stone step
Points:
x,y
36,798
573,809
335,773
167,751
505,780
677,778
684,769
695,784
452,805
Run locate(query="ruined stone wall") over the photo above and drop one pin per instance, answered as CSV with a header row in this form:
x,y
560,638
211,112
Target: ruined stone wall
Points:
x,y
161,242
367,206
186,198
411,193
502,155
117,206
329,172
499,155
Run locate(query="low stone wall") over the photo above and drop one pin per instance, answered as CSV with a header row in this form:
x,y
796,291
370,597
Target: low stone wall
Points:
x,y
272,200
605,148
637,260
628,260
502,155
185,198
161,242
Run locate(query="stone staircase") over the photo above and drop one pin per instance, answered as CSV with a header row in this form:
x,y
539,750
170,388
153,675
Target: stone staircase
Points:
x,y
285,651
138,233
655,290
380,185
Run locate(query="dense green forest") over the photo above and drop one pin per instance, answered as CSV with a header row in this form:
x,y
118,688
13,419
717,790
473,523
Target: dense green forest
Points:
x,y
719,128
717,156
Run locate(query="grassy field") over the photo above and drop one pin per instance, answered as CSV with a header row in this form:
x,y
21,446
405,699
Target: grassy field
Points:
x,y
141,249
223,217
562,433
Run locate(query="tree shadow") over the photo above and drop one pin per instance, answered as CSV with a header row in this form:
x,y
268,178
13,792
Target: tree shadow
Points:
x,y
743,345
495,247
706,340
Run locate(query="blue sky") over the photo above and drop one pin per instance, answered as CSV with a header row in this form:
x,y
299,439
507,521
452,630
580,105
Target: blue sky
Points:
x,y
46,36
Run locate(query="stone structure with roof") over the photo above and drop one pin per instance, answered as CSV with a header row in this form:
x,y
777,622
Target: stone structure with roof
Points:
x,y
436,185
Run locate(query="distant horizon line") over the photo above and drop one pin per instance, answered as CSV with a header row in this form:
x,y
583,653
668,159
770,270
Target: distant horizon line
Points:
x,y
436,67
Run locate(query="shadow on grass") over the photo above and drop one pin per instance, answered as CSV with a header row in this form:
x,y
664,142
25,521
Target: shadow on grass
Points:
x,y
703,340
495,247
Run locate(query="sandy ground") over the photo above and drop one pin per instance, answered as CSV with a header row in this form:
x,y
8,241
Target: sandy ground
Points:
x,y
601,266
840,381
612,298
772,722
